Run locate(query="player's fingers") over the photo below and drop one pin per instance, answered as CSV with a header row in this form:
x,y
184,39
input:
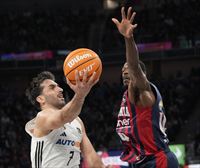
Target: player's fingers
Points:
x,y
129,13
130,31
123,13
85,75
115,21
91,80
134,26
132,17
95,82
77,77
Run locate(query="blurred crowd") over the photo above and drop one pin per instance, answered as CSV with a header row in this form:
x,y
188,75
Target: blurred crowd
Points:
x,y
99,114
69,29
40,30
66,29
168,21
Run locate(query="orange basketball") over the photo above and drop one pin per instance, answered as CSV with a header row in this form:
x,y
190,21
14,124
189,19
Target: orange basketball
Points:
x,y
82,59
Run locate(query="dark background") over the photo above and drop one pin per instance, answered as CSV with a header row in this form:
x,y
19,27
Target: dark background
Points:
x,y
33,25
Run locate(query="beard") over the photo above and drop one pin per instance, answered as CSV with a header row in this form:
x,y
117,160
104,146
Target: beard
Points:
x,y
57,103
61,104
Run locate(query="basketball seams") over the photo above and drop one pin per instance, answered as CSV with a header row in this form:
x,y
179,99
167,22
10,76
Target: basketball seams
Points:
x,y
74,53
83,62
71,55
94,55
89,75
80,65
79,51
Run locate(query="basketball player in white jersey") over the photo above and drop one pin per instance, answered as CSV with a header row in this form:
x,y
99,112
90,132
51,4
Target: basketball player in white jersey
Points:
x,y
58,134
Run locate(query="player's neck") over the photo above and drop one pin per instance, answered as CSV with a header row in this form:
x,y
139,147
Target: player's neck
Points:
x,y
49,106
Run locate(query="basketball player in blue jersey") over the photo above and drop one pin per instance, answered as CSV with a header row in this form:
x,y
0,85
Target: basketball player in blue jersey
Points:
x,y
58,134
141,119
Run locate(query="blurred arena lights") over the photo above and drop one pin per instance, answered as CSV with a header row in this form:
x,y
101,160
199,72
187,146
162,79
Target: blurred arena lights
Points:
x,y
110,4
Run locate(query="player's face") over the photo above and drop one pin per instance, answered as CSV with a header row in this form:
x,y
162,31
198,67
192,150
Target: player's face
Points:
x,y
52,94
125,75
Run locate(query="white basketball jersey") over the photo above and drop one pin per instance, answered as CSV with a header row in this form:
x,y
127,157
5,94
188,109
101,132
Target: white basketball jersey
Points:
x,y
59,149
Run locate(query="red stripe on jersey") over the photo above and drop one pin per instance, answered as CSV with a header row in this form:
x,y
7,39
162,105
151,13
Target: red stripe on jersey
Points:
x,y
161,160
145,129
127,157
132,125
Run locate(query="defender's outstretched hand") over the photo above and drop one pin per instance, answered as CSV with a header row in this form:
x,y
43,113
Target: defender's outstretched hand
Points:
x,y
126,26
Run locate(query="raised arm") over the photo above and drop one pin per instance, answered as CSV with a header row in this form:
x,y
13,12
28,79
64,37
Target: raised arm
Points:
x,y
138,81
51,118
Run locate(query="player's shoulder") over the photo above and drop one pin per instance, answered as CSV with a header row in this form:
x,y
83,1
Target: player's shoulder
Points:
x,y
78,119
29,127
44,113
42,117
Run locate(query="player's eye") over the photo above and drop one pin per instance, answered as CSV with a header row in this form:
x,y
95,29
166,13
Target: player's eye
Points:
x,y
52,86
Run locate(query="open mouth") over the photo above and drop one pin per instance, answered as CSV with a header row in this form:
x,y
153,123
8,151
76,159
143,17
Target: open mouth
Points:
x,y
126,78
60,96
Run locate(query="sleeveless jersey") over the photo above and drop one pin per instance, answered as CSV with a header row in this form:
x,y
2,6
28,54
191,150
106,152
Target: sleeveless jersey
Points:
x,y
59,149
142,130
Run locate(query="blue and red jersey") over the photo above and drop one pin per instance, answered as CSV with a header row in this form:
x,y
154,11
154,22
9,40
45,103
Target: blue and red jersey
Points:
x,y
142,130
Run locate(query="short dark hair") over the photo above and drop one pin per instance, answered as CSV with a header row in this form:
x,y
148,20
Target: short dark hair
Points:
x,y
142,65
35,89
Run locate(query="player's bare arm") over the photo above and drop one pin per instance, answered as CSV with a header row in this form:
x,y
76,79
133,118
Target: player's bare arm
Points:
x,y
50,118
137,77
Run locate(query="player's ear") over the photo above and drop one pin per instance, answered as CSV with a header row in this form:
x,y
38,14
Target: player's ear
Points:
x,y
40,99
